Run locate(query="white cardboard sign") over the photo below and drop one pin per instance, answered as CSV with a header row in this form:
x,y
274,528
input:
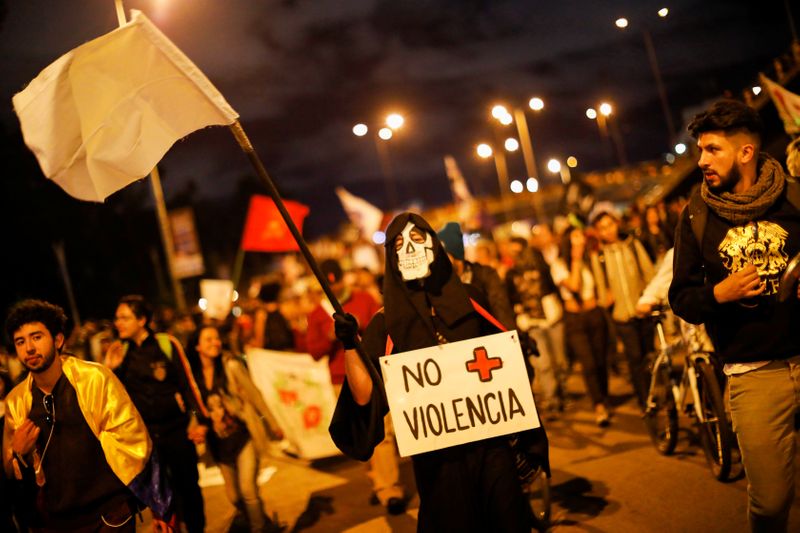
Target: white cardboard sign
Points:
x,y
458,392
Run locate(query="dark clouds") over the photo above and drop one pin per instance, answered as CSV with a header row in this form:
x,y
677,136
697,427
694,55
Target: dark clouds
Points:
x,y
302,72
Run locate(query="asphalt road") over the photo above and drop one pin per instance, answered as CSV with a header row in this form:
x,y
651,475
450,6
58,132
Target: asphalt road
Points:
x,y
604,480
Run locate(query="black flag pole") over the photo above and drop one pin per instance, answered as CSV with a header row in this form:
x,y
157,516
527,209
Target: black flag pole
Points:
x,y
247,147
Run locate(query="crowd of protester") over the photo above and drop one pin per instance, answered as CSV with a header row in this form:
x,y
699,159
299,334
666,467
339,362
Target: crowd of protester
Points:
x,y
541,282
577,288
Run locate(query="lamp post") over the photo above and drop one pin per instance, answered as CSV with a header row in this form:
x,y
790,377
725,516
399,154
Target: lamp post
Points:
x,y
501,114
622,24
608,129
394,122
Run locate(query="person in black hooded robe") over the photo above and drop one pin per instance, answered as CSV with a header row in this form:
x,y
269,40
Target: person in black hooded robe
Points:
x,y
471,487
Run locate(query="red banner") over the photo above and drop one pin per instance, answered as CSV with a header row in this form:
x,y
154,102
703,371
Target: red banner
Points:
x,y
265,230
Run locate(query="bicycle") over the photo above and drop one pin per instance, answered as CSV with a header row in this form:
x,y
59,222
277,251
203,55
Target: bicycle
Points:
x,y
696,392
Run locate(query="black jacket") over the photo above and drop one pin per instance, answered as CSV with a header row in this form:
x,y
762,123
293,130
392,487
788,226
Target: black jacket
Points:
x,y
761,328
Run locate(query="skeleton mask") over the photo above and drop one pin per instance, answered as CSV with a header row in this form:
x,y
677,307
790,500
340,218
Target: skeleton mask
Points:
x,y
414,248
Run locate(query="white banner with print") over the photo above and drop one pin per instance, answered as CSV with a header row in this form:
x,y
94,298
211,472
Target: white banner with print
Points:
x,y
299,393
458,392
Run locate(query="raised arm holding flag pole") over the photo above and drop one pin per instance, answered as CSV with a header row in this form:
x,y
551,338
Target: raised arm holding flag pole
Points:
x,y
103,115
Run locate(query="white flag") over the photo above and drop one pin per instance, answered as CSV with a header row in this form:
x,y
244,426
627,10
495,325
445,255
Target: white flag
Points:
x,y
787,103
457,182
365,216
102,115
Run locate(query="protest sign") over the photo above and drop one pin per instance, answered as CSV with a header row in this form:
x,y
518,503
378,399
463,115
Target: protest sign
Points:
x,y
458,392
299,393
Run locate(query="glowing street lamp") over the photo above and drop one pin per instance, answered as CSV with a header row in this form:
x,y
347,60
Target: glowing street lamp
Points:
x,y
484,151
395,121
499,111
680,148
572,161
532,184
536,104
516,187
511,144
555,166
622,23
602,117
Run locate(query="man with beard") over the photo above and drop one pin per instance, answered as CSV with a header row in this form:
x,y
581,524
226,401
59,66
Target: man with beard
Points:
x,y
72,436
472,487
727,272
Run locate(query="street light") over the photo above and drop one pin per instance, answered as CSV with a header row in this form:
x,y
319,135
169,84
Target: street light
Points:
x,y
517,187
555,166
393,122
572,161
502,115
485,151
680,148
603,121
622,23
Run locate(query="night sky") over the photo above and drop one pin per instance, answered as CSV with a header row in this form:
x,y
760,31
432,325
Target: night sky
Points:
x,y
301,73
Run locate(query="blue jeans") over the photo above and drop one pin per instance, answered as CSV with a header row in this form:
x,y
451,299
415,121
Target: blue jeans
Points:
x,y
763,406
241,485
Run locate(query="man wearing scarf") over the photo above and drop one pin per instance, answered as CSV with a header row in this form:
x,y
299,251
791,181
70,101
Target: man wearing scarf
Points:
x,y
729,280
471,487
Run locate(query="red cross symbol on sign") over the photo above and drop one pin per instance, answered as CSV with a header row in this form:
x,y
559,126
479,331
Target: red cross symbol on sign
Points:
x,y
483,364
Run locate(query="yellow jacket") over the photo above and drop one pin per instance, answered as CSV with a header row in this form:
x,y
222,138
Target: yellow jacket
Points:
x,y
107,409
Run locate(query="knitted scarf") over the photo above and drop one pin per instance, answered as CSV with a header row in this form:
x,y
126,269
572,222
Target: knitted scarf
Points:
x,y
741,208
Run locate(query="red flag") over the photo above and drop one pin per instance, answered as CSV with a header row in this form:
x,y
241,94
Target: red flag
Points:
x,y
265,230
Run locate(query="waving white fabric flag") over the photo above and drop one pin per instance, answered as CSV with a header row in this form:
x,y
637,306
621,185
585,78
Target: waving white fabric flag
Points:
x,y
458,185
365,216
103,115
787,103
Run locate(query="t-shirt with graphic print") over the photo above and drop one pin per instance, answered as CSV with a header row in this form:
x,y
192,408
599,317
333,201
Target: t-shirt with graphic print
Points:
x,y
755,329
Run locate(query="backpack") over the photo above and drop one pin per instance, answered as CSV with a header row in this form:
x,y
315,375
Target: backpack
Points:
x,y
697,210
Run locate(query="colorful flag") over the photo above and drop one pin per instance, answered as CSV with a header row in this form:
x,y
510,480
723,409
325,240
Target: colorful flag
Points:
x,y
265,229
102,115
365,216
787,103
458,184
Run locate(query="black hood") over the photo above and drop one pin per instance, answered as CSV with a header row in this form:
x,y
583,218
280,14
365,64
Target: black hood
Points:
x,y
408,304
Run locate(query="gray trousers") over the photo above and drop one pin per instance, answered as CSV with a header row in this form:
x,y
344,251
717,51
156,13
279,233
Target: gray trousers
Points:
x,y
763,405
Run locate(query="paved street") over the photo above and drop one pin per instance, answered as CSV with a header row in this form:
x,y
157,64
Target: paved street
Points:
x,y
604,480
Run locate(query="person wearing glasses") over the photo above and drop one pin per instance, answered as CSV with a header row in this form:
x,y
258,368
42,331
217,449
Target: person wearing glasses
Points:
x,y
72,436
154,370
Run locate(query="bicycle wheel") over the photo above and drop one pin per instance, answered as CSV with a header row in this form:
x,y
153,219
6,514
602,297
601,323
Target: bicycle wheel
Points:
x,y
661,414
714,429
538,493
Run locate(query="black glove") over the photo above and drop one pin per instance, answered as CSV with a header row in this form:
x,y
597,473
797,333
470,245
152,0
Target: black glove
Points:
x,y
346,328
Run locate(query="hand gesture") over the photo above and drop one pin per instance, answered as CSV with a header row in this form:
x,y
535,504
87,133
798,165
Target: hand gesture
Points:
x,y
745,283
24,438
643,309
114,355
197,433
346,328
